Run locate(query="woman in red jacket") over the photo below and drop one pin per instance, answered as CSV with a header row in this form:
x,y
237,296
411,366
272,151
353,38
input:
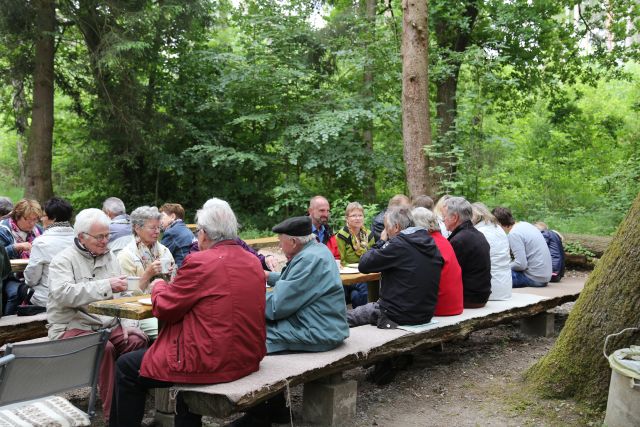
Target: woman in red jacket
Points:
x,y
213,322
450,295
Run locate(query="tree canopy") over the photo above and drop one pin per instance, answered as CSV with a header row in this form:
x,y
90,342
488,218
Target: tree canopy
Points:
x,y
265,103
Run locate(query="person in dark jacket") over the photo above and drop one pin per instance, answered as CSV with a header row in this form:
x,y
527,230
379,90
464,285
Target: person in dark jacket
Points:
x,y
472,250
377,226
319,212
410,263
554,242
176,237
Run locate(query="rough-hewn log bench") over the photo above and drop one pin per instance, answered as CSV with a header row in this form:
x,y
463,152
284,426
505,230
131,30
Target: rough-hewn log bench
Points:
x,y
328,400
21,328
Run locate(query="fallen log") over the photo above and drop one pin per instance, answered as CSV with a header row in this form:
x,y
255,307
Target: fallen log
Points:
x,y
595,244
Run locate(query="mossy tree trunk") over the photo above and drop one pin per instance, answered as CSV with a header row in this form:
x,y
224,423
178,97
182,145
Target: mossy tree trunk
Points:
x,y
610,302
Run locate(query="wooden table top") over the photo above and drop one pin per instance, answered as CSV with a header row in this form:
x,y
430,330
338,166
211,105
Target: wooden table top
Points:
x,y
130,308
127,308
18,265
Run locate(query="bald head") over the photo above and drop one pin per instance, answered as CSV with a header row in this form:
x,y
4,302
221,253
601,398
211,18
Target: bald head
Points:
x,y
319,211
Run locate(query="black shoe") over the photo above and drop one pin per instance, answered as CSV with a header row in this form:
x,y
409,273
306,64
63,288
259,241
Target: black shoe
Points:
x,y
383,373
250,420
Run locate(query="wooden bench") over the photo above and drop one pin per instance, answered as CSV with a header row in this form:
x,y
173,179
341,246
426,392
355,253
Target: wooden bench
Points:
x,y
328,400
21,328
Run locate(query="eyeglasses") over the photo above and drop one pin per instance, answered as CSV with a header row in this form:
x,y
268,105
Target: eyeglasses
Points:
x,y
356,216
155,228
100,237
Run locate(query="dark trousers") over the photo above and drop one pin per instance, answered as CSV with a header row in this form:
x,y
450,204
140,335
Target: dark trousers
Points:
x,y
127,408
12,300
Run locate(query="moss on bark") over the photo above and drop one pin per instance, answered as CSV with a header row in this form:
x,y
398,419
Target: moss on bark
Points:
x,y
610,302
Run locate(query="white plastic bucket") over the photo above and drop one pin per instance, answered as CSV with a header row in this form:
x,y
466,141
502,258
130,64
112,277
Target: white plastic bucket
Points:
x,y
623,404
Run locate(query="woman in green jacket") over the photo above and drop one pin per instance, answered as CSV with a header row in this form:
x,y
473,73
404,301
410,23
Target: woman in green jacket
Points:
x,y
354,240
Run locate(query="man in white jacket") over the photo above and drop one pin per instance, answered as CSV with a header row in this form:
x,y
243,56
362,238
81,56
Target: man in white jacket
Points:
x,y
57,236
84,273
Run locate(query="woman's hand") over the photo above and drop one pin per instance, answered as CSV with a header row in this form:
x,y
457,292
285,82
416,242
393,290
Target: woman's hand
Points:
x,y
22,246
152,270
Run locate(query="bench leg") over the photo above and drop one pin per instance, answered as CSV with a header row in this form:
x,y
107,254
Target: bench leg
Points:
x,y
540,325
165,408
373,291
330,401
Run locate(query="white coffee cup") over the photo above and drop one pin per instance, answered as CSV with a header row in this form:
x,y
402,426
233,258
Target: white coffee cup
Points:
x,y
164,265
133,283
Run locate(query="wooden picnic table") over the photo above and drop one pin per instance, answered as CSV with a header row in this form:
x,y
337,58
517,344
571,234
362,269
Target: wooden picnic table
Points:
x,y
18,265
130,308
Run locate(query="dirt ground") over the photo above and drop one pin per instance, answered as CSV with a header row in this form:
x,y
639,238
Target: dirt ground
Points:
x,y
475,382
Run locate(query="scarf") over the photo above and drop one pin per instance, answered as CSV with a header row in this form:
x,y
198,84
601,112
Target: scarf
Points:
x,y
16,232
58,224
359,241
148,255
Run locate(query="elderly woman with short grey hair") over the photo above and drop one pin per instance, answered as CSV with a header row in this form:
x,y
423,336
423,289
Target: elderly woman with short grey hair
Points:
x,y
450,301
145,258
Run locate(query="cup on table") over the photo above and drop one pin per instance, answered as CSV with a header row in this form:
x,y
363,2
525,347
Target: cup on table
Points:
x,y
165,264
133,283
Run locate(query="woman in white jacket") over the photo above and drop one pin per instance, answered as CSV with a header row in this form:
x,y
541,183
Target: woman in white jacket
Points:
x,y
487,224
146,258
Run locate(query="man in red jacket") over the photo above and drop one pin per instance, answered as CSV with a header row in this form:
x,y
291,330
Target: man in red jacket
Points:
x,y
319,212
213,322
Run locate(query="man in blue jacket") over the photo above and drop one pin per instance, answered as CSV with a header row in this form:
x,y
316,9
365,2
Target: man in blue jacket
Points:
x,y
305,307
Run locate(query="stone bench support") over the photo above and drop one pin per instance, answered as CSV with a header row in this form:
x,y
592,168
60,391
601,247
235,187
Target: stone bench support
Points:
x,y
330,401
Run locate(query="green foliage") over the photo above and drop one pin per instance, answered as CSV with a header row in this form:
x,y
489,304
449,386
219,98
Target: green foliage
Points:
x,y
577,249
182,101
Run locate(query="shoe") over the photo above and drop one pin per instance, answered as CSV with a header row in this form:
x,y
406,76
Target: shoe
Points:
x,y
250,420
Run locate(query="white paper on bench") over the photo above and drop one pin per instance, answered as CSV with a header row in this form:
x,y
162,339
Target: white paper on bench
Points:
x,y
363,339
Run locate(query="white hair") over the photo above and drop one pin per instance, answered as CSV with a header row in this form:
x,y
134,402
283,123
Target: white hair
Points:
x,y
217,220
423,217
302,240
87,218
142,214
114,205
399,215
459,206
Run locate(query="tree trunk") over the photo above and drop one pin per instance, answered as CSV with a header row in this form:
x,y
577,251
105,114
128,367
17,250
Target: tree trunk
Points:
x,y
609,303
453,39
38,166
20,111
367,93
416,128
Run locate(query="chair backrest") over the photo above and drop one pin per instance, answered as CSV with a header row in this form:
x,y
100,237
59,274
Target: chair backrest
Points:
x,y
31,371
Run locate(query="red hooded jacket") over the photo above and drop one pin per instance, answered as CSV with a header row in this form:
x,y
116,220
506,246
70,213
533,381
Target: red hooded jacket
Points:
x,y
213,318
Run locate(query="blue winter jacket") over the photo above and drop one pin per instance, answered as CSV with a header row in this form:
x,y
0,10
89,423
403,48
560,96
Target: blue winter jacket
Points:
x,y
305,309
557,254
178,239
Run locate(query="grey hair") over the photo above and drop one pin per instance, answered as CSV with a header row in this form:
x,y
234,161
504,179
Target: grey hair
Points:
x,y
399,215
88,217
481,213
438,207
5,206
302,240
459,206
423,217
217,220
140,215
114,205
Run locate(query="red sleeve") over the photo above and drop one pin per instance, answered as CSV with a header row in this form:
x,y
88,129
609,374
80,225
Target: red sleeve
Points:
x,y
332,244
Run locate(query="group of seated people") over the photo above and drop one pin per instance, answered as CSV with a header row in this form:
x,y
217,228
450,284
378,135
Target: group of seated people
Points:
x,y
209,289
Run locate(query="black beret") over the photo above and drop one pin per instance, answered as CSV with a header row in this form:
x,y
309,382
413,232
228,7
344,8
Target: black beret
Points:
x,y
294,226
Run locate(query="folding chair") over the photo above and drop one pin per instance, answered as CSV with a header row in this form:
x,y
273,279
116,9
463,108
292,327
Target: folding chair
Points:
x,y
31,373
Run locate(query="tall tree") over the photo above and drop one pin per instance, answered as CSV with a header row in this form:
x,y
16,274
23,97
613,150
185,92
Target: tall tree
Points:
x,y
416,125
609,303
369,11
38,184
